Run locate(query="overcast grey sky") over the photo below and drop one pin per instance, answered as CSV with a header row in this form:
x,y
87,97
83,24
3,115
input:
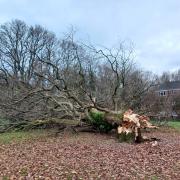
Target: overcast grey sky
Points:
x,y
152,25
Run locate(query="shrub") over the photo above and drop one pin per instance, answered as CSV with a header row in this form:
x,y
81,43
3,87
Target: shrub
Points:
x,y
97,120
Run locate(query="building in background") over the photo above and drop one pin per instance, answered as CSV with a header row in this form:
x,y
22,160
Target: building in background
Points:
x,y
168,94
171,88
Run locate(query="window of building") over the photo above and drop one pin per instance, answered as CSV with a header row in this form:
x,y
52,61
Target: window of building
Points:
x,y
162,93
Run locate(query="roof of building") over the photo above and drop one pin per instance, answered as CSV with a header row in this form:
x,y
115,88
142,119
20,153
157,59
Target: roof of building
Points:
x,y
169,85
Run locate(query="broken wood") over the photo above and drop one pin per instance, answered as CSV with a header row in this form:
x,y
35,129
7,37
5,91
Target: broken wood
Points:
x,y
132,124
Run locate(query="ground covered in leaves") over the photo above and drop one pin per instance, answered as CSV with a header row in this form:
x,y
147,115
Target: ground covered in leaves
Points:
x,y
91,156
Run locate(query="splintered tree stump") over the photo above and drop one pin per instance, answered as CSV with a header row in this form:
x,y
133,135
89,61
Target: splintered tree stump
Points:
x,y
138,137
129,135
128,124
130,129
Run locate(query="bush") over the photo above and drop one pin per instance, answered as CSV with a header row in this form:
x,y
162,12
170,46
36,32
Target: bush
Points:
x,y
97,120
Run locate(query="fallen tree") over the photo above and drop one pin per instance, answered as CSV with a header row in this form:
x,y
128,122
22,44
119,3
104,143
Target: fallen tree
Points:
x,y
89,116
64,79
128,125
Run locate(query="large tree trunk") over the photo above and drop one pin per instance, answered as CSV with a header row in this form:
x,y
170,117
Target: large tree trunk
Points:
x,y
127,124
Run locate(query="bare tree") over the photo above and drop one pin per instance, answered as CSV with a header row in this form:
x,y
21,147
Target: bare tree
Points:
x,y
119,62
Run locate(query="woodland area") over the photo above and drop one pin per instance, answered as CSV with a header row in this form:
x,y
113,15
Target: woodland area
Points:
x,y
46,81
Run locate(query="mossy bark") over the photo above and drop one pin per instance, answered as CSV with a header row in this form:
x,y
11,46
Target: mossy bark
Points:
x,y
123,137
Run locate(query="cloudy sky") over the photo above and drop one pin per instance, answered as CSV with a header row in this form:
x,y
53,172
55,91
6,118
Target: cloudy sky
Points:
x,y
152,25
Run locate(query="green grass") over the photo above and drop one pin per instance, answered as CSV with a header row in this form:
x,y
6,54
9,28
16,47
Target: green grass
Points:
x,y
154,177
22,135
19,136
174,124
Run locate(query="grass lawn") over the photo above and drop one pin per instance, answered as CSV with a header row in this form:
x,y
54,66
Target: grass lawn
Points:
x,y
18,136
174,124
9,137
